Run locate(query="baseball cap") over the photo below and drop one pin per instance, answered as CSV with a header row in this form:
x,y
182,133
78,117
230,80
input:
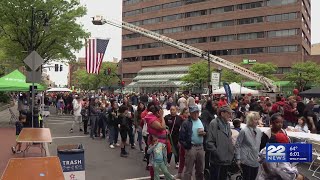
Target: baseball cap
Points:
x,y
226,109
193,109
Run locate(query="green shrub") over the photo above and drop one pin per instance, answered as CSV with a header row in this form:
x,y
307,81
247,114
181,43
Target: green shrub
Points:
x,y
4,97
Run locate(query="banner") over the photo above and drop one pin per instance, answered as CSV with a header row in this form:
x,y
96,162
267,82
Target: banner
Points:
x,y
228,91
293,152
215,80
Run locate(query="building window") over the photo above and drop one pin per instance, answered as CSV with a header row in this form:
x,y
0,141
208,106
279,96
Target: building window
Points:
x,y
250,20
224,52
195,40
172,5
151,21
151,8
150,58
282,33
172,56
222,24
282,17
247,36
188,55
132,13
129,48
151,45
128,2
255,50
196,13
130,36
172,30
137,23
279,49
131,59
221,10
129,75
193,1
196,27
222,38
172,17
280,2
250,5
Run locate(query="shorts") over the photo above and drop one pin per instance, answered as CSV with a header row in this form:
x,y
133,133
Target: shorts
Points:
x,y
124,135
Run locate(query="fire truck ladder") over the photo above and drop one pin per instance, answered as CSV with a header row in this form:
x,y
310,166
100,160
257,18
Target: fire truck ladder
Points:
x,y
268,83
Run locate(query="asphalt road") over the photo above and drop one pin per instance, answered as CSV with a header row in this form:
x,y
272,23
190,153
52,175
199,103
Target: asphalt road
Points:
x,y
101,162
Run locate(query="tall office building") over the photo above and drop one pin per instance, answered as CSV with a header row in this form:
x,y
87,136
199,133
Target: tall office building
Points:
x,y
277,31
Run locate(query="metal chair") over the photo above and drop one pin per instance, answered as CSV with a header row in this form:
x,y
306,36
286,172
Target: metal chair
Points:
x,y
316,153
13,117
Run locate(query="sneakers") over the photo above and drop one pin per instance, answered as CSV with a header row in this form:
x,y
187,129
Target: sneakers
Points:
x,y
111,146
123,155
177,165
133,146
18,152
81,130
13,149
71,131
117,144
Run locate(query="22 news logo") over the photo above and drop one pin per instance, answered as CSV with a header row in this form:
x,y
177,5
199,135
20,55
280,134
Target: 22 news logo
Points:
x,y
276,153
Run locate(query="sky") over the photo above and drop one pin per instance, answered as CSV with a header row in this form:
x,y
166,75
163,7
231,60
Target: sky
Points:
x,y
112,9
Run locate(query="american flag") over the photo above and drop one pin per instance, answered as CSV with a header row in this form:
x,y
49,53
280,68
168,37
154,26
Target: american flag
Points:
x,y
95,49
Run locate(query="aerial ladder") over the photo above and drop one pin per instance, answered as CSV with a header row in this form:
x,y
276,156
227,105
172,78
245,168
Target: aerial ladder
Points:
x,y
268,83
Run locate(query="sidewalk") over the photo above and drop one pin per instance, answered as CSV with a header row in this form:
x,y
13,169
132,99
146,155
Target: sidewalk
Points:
x,y
8,139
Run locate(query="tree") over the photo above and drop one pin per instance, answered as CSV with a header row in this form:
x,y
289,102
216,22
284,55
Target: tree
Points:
x,y
197,75
94,81
304,74
64,37
230,76
265,69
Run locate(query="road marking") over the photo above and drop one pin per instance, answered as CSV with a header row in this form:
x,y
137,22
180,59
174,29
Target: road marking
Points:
x,y
66,137
61,122
143,178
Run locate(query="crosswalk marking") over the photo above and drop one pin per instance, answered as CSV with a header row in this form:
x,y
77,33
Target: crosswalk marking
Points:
x,y
66,137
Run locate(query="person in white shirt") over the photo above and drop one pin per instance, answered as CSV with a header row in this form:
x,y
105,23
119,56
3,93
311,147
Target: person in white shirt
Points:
x,y
302,125
77,106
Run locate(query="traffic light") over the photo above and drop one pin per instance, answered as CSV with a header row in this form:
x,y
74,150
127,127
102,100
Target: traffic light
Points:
x,y
56,67
61,67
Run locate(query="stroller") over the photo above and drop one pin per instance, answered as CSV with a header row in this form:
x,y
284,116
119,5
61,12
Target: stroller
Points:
x,y
233,170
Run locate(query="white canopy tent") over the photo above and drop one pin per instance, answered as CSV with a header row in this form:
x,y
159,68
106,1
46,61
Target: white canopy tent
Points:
x,y
59,90
236,89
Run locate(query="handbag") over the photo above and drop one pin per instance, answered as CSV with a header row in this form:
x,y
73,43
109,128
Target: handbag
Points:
x,y
145,129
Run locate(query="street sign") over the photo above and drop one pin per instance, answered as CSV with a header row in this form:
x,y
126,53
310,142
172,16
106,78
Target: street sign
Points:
x,y
249,61
36,78
33,60
215,80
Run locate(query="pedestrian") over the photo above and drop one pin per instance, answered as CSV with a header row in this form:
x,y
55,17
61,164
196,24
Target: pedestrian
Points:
x,y
174,121
85,115
94,111
77,106
137,120
191,138
158,158
302,125
112,123
219,144
19,127
123,120
248,147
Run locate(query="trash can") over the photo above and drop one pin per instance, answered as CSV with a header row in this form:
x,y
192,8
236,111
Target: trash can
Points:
x,y
72,161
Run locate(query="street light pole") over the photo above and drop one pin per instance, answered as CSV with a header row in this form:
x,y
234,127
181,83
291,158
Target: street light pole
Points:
x,y
209,74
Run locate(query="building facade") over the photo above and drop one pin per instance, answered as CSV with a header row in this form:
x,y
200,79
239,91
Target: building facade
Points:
x,y
277,31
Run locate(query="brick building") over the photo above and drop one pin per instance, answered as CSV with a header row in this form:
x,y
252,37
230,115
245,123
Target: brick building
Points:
x,y
277,31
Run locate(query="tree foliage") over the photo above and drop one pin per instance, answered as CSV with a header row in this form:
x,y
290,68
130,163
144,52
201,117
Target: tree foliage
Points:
x,y
86,81
230,76
265,69
197,75
304,74
64,37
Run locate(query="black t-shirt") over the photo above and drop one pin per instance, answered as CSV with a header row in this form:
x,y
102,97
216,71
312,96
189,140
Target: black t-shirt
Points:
x,y
173,122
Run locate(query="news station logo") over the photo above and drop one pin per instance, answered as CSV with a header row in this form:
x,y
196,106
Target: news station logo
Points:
x,y
295,152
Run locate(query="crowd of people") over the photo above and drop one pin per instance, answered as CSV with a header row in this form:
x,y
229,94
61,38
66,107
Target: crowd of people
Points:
x,y
205,134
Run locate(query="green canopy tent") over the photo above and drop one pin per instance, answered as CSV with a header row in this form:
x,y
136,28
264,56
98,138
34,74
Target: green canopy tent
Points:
x,y
16,81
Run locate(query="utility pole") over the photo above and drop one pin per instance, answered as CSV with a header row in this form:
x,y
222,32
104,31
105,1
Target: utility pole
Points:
x,y
209,74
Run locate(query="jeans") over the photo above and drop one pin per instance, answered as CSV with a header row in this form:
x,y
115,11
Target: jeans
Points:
x,y
249,173
218,172
94,126
157,167
113,134
131,135
182,159
194,157
139,132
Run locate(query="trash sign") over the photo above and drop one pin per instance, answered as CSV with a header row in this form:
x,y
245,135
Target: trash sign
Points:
x,y
72,161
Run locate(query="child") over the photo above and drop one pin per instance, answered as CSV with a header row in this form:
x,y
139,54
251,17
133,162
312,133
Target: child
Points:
x,y
19,126
237,124
302,125
158,158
